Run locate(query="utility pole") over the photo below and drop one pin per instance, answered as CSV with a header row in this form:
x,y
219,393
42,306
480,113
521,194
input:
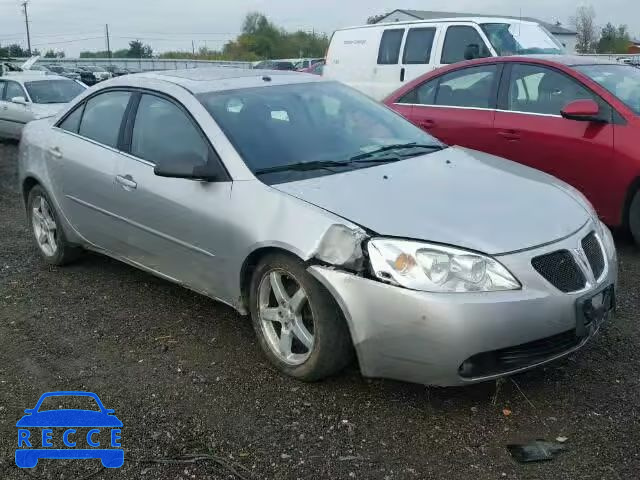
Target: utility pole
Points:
x,y
106,28
193,47
26,21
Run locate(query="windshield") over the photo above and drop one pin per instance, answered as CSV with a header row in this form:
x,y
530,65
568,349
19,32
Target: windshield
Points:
x,y
53,91
520,39
320,122
623,81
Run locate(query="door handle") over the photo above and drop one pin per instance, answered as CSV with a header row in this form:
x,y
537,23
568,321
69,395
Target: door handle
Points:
x,y
126,182
402,72
427,123
55,152
511,135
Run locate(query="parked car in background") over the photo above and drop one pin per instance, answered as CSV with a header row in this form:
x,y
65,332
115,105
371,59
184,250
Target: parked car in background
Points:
x,y
577,118
64,72
315,69
378,59
274,65
116,71
438,265
30,96
99,72
308,62
86,76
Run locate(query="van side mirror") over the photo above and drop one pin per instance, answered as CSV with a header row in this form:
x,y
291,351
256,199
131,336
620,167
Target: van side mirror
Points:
x,y
189,167
19,100
472,51
582,111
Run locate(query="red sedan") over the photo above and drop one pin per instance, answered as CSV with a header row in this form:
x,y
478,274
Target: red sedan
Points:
x,y
576,118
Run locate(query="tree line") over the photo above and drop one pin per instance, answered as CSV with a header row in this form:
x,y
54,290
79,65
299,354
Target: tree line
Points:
x,y
594,39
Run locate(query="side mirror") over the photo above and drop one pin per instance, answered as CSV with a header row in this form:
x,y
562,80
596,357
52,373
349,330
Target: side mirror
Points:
x,y
582,111
188,167
19,100
472,51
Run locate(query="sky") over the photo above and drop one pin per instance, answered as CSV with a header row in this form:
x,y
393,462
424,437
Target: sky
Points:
x,y
75,25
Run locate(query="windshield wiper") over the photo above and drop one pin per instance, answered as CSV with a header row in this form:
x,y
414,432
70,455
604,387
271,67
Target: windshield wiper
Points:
x,y
399,146
303,166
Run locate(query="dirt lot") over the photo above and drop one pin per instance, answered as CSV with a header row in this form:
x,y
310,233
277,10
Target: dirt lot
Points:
x,y
185,375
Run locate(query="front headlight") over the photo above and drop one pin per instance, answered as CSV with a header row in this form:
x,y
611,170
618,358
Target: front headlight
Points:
x,y
436,268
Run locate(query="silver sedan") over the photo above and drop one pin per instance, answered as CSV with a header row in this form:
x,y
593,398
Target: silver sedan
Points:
x,y
335,224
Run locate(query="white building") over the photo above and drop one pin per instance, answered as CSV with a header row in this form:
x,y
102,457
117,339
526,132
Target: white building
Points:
x,y
565,36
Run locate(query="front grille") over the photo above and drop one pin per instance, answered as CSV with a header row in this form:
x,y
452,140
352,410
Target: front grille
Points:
x,y
521,356
594,254
561,270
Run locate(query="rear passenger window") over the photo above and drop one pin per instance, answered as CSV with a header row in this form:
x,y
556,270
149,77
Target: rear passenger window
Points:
x,y
163,133
417,49
463,43
469,87
423,95
390,47
103,116
72,122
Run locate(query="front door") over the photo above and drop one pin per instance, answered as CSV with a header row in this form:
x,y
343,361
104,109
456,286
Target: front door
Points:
x,y
530,129
13,116
170,224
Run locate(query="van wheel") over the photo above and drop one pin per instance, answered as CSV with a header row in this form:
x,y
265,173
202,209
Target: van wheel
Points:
x,y
298,323
47,232
634,218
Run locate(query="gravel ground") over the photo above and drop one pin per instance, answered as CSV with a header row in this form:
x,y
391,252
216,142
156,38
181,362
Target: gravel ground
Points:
x,y
185,375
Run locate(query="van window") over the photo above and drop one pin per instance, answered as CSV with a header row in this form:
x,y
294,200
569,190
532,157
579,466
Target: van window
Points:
x,y
458,38
390,47
417,49
469,87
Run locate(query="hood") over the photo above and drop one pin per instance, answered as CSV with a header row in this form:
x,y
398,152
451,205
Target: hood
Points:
x,y
45,110
456,196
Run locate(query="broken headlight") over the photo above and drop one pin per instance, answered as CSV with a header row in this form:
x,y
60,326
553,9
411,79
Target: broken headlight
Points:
x,y
437,268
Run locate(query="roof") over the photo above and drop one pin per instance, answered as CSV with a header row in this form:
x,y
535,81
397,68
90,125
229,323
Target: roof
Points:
x,y
569,60
30,76
200,80
429,14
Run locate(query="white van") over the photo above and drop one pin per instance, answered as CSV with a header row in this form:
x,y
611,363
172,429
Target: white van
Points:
x,y
378,59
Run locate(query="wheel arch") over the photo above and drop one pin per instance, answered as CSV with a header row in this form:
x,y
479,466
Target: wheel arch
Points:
x,y
634,187
28,183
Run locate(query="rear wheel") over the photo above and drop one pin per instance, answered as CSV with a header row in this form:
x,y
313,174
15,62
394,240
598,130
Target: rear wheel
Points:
x,y
47,232
634,218
298,323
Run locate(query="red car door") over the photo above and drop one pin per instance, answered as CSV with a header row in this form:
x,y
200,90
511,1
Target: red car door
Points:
x,y
529,129
457,108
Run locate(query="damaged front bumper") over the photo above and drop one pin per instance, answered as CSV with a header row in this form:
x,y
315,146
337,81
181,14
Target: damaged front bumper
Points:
x,y
449,339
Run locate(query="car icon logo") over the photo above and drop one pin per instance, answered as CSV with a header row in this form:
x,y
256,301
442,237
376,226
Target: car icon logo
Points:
x,y
84,434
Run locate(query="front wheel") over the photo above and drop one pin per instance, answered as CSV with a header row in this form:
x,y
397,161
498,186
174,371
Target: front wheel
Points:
x,y
634,218
298,323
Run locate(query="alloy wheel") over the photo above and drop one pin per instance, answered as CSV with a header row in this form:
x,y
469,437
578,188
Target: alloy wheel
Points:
x,y
44,226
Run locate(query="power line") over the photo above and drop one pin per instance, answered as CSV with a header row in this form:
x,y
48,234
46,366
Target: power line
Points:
x,y
67,41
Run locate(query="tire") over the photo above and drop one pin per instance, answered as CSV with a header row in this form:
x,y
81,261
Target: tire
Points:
x,y
313,311
634,218
47,232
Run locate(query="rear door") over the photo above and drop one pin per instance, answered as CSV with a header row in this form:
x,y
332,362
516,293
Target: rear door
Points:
x,y
530,129
388,73
419,54
457,107
83,157
169,224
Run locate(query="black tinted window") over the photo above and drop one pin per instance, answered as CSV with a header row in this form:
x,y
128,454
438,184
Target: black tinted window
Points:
x,y
72,122
417,49
457,40
163,132
537,89
13,90
102,117
469,87
53,91
2,85
390,47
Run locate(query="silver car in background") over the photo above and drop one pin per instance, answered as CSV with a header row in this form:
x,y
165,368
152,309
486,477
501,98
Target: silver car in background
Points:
x,y
335,223
32,96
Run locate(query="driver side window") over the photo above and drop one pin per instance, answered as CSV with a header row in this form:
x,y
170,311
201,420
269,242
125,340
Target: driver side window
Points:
x,y
14,89
163,133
